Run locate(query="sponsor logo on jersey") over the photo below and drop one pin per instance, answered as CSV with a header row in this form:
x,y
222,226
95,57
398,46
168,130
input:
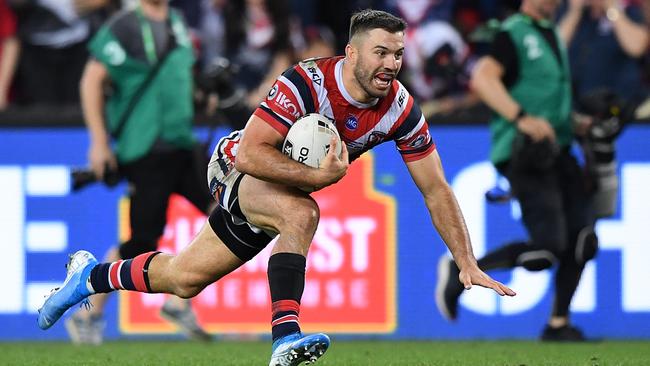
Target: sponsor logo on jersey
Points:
x,y
376,138
272,92
285,103
314,75
401,98
420,140
351,123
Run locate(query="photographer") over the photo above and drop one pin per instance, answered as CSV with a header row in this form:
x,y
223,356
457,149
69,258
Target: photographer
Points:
x,y
146,55
526,81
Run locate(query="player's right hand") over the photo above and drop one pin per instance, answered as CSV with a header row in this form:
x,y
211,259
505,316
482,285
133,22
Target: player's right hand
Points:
x,y
333,167
100,156
537,128
473,275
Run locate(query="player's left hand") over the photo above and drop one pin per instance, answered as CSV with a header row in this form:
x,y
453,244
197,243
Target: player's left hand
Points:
x,y
474,276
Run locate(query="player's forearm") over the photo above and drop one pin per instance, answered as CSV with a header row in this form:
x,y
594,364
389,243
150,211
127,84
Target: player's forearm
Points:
x,y
92,104
448,220
267,163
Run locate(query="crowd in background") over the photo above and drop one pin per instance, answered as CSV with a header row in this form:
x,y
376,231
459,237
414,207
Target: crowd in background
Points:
x,y
43,45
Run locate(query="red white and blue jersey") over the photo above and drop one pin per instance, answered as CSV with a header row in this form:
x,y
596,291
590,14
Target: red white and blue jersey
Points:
x,y
316,86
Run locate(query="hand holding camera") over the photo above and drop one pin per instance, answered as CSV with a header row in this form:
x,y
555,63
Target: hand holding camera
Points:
x,y
101,159
103,168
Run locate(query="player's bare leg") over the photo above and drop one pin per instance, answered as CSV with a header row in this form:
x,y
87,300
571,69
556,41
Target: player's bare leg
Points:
x,y
198,265
294,215
204,261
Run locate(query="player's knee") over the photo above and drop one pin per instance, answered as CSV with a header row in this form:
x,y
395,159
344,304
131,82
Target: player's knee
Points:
x,y
586,245
188,285
302,218
536,260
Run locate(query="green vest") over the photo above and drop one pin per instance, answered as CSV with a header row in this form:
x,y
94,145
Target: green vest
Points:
x,y
543,88
165,109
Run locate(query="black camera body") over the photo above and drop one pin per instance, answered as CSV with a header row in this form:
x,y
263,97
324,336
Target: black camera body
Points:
x,y
219,79
82,177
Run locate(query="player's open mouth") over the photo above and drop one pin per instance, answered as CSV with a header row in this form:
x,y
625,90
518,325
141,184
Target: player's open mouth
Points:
x,y
383,80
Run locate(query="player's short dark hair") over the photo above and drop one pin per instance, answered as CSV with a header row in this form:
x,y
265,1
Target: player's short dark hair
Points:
x,y
369,19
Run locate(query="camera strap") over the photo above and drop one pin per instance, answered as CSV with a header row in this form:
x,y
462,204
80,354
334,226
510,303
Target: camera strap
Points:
x,y
150,49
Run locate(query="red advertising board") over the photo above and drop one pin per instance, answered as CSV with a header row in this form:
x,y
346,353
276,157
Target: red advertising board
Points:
x,y
351,275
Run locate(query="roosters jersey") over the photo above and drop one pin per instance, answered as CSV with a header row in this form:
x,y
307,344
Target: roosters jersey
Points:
x,y
316,86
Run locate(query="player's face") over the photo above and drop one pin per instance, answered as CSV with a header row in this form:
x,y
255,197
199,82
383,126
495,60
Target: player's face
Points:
x,y
379,59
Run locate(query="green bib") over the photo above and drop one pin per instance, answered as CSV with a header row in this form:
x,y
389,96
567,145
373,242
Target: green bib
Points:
x,y
165,109
543,88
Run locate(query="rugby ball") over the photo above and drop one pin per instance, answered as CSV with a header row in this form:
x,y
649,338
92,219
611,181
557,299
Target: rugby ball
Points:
x,y
309,138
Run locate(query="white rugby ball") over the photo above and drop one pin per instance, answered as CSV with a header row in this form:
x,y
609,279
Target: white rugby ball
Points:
x,y
309,139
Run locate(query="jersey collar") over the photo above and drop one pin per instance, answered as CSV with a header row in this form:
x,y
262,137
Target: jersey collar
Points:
x,y
338,75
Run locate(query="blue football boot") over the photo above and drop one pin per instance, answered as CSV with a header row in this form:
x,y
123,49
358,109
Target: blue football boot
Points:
x,y
293,349
73,290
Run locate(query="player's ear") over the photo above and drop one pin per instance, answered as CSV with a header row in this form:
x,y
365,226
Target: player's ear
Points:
x,y
351,53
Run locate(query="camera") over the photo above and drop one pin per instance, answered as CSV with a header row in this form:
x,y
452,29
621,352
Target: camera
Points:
x,y
82,177
610,114
218,78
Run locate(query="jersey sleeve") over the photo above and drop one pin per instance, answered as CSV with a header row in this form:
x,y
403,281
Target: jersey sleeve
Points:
x,y
290,98
412,137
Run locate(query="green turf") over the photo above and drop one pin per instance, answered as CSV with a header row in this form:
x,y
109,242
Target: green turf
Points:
x,y
226,353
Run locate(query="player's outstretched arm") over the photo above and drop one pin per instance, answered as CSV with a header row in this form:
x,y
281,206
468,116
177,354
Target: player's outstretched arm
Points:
x,y
445,213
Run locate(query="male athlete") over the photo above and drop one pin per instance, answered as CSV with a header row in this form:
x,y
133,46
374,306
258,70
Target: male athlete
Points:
x,y
256,187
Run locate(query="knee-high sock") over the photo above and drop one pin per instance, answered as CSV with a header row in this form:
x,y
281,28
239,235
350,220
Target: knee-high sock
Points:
x,y
504,257
129,274
286,281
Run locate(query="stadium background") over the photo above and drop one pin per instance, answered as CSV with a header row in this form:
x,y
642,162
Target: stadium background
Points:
x,y
374,258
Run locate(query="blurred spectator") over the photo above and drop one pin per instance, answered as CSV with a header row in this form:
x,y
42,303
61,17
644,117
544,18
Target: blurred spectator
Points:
x,y
606,40
53,35
315,41
421,11
211,30
436,61
257,35
525,80
191,10
9,49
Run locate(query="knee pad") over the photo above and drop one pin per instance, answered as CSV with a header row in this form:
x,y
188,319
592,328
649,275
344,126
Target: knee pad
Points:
x,y
134,248
536,260
586,245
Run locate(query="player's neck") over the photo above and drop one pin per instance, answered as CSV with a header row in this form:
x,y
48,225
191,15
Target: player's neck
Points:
x,y
352,86
155,9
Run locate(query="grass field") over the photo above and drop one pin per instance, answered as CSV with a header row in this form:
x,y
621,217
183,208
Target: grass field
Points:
x,y
378,353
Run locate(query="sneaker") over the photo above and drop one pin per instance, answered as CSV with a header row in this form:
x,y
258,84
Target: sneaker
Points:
x,y
186,320
72,291
293,349
566,333
88,330
448,288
